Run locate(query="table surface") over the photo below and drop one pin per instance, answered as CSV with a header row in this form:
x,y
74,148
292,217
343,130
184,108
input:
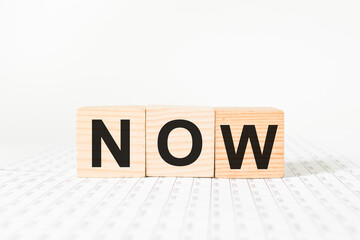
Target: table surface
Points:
x,y
319,198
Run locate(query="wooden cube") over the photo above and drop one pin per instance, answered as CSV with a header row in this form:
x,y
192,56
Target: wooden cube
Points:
x,y
180,141
249,143
111,141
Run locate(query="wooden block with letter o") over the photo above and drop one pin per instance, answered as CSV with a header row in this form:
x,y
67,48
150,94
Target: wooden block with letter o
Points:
x,y
249,143
111,141
180,141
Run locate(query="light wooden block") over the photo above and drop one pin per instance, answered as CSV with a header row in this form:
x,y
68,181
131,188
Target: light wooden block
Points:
x,y
111,117
236,118
180,141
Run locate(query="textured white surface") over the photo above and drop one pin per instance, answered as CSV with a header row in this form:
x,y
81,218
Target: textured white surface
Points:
x,y
40,198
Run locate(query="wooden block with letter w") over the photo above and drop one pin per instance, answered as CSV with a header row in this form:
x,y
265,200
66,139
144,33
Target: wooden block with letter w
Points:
x,y
249,143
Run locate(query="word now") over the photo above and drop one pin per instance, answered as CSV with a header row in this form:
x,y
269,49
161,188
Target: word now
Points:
x,y
136,141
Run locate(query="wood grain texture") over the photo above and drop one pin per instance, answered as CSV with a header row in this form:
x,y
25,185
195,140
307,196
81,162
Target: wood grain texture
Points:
x,y
180,141
111,116
237,118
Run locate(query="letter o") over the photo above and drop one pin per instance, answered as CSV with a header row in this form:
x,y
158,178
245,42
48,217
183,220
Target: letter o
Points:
x,y
164,148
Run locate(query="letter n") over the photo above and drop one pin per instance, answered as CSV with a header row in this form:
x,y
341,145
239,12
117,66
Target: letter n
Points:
x,y
99,131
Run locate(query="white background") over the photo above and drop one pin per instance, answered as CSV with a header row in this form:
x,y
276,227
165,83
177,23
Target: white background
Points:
x,y
55,56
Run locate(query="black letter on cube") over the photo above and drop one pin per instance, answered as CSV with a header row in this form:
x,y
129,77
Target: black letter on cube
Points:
x,y
163,143
99,131
248,132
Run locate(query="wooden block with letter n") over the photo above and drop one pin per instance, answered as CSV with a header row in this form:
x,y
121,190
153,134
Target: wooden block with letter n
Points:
x,y
180,141
249,143
110,141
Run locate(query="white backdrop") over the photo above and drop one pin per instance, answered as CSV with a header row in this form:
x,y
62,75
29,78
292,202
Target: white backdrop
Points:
x,y
55,56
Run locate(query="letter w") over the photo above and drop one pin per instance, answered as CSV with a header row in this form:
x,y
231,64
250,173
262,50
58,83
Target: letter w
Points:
x,y
99,131
248,132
